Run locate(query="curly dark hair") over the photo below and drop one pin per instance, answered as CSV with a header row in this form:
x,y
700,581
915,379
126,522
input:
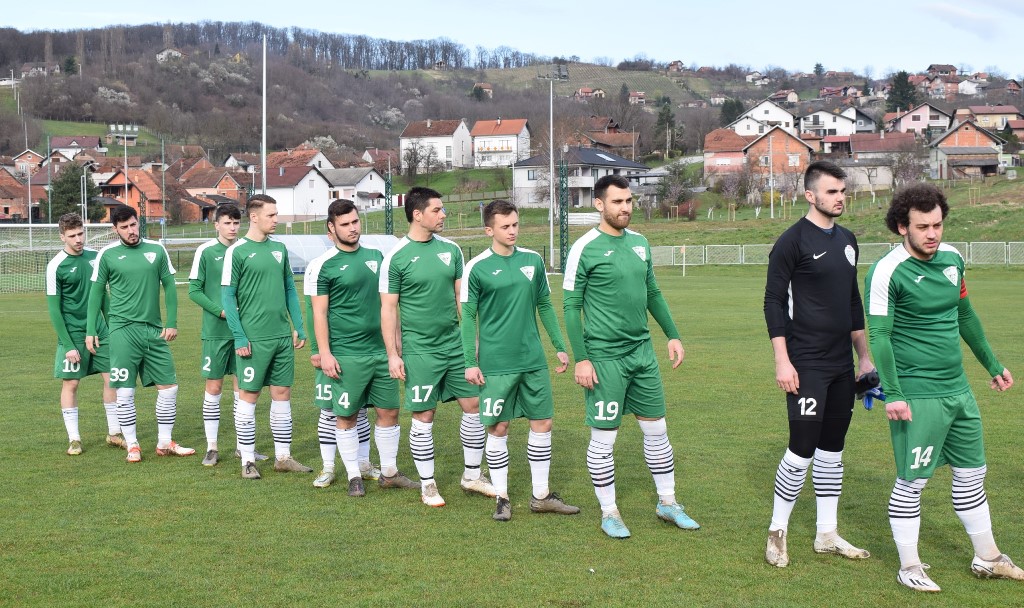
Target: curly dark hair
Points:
x,y
920,197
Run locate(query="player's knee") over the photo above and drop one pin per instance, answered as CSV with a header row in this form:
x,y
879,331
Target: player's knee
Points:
x,y
126,395
653,428
169,392
973,476
604,436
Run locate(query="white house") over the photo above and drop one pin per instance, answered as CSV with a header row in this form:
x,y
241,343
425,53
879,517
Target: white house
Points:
x,y
771,114
585,165
826,123
449,139
500,143
754,76
302,193
973,88
361,185
864,122
169,54
745,125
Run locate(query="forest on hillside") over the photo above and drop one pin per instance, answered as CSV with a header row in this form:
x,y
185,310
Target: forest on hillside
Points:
x,y
359,90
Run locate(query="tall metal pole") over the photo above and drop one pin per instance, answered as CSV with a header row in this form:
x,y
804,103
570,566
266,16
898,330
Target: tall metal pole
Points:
x,y
771,175
49,182
263,146
551,171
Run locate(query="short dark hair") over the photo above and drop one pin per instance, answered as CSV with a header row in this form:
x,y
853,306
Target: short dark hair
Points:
x,y
122,213
602,185
229,210
920,197
818,168
256,202
69,221
498,207
338,208
418,199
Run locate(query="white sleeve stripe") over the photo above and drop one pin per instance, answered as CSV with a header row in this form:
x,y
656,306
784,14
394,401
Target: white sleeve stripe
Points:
x,y
51,272
385,266
878,291
572,262
225,276
464,287
950,248
312,277
96,268
194,274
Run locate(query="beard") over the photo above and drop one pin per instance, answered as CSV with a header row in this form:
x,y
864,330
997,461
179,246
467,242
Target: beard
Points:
x,y
619,222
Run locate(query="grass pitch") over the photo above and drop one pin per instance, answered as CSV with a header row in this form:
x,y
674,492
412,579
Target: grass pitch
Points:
x,y
93,530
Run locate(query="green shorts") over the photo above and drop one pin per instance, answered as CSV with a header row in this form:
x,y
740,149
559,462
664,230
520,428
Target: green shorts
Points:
x,y
628,385
138,351
945,430
90,363
218,358
435,377
364,381
518,395
270,363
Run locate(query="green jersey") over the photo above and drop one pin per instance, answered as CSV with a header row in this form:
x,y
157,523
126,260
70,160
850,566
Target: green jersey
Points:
x,y
611,279
262,277
134,275
503,295
205,290
350,282
67,293
917,312
423,275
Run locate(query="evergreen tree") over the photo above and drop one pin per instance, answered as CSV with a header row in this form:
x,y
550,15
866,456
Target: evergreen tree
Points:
x,y
902,96
66,194
731,110
70,66
666,124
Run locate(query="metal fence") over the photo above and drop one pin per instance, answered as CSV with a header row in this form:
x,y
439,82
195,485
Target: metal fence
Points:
x,y
25,252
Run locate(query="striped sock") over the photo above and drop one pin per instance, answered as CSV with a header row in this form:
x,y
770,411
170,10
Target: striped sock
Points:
x,y
473,437
905,519
497,461
281,428
789,480
363,430
245,430
326,429
827,477
421,444
126,414
211,418
660,458
601,464
166,412
538,452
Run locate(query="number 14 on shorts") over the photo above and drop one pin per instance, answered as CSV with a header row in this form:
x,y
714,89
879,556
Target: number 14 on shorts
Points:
x,y
922,456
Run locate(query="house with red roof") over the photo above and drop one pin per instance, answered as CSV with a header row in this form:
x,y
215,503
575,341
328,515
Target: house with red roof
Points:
x,y
447,143
925,118
965,150
298,157
994,117
777,153
302,193
501,142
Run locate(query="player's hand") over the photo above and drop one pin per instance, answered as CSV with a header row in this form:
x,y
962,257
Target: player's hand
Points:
x,y
866,367
563,358
222,315
330,365
314,360
92,343
396,367
296,342
585,375
474,376
1003,381
786,377
73,356
898,410
245,351
169,334
675,352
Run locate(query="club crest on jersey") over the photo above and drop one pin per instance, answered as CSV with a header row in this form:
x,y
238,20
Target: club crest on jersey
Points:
x,y
640,251
445,257
92,263
851,255
528,271
952,274
150,255
277,256
372,265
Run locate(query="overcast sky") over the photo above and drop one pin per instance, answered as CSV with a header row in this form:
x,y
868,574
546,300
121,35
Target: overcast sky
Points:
x,y
885,35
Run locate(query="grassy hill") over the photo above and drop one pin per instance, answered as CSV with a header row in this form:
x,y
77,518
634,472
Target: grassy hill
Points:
x,y
148,143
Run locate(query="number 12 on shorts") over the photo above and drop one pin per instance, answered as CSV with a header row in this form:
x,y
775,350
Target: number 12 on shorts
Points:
x,y
922,456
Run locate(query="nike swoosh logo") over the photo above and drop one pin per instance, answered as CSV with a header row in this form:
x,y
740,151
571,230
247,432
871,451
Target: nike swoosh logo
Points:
x,y
818,255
